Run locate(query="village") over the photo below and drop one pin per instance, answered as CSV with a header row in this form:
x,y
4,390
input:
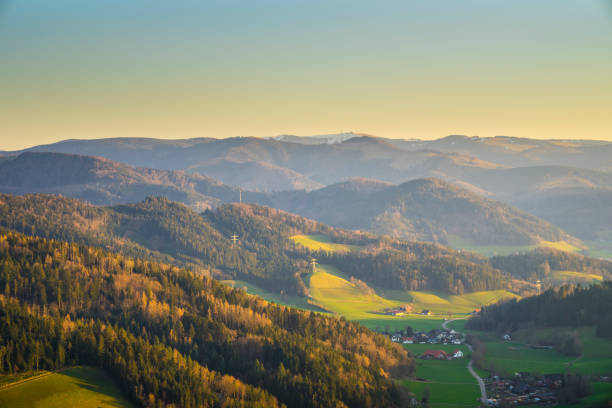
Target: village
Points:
x,y
523,389
435,336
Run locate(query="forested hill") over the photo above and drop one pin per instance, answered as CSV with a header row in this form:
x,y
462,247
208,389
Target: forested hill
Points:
x,y
171,337
105,182
171,232
566,306
424,209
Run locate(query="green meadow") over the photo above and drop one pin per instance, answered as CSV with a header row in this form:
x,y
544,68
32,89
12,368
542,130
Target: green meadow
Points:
x,y
491,250
449,382
74,387
281,299
323,243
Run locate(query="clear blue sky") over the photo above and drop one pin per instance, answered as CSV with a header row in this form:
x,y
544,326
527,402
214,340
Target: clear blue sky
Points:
x,y
411,69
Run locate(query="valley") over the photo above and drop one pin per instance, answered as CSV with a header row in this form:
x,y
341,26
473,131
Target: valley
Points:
x,y
387,257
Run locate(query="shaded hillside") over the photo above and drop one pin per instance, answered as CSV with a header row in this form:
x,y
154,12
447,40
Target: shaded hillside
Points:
x,y
522,152
264,255
431,212
104,182
277,165
286,163
424,210
566,306
171,337
584,212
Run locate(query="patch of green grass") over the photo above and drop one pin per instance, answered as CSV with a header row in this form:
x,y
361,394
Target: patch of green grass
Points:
x,y
74,387
445,395
451,371
330,289
486,250
281,299
518,356
323,243
601,397
419,323
559,245
560,277
13,378
491,250
448,305
513,357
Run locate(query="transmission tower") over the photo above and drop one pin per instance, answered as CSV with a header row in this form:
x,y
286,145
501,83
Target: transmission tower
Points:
x,y
234,238
313,263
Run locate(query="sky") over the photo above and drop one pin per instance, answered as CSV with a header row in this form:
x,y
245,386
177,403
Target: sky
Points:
x,y
400,69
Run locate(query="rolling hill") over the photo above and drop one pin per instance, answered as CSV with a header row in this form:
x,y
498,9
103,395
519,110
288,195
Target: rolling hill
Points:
x,y
425,210
104,182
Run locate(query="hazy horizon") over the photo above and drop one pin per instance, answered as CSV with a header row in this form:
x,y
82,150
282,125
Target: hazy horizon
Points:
x,y
534,69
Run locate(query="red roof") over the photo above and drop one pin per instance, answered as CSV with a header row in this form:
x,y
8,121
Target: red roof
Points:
x,y
435,353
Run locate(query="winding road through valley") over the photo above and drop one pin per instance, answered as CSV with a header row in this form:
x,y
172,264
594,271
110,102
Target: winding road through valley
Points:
x,y
483,390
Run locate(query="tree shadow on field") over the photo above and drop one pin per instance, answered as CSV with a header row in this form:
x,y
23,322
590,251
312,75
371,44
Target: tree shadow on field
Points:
x,y
99,381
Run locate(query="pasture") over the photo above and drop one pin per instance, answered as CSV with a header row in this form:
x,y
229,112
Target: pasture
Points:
x,y
492,250
281,299
449,382
74,387
323,243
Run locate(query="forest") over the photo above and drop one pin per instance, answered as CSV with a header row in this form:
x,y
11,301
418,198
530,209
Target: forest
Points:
x,y
569,305
174,338
170,232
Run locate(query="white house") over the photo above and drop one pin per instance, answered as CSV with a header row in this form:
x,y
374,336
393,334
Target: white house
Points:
x,y
458,354
507,337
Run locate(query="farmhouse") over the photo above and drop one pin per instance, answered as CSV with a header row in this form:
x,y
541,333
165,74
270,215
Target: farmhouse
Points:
x,y
435,354
458,354
426,312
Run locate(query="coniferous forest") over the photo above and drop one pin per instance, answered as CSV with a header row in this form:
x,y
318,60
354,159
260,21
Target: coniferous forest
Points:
x,y
177,338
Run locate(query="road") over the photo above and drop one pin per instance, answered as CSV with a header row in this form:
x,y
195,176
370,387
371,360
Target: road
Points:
x,y
483,390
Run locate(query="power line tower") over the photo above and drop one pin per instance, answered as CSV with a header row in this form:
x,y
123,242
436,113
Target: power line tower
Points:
x,y
539,286
313,263
240,195
234,239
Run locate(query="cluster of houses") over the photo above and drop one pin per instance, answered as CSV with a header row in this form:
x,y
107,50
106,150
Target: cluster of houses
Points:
x,y
523,389
404,310
436,336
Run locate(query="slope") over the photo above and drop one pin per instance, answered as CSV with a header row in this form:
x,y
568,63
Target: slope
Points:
x,y
425,210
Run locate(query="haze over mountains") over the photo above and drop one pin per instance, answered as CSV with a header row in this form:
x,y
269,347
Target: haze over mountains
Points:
x,y
567,183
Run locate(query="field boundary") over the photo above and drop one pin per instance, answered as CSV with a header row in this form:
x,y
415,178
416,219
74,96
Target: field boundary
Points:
x,y
34,378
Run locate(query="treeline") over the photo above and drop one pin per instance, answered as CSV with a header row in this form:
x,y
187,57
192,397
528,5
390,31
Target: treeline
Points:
x,y
568,305
538,263
170,232
172,337
441,270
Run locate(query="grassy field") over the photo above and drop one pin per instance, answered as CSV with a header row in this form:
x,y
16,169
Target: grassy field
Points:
x,y
281,299
74,387
491,250
559,245
560,277
450,305
332,290
449,382
601,396
323,243
518,356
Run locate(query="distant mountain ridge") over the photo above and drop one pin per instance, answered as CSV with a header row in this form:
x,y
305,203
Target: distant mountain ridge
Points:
x,y
525,173
424,209
105,182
